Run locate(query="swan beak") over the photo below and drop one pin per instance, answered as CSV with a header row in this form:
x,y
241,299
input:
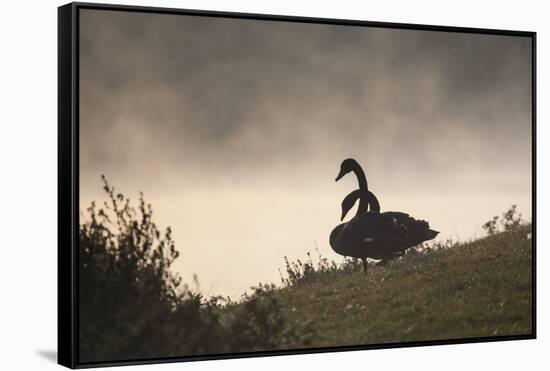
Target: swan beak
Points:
x,y
340,175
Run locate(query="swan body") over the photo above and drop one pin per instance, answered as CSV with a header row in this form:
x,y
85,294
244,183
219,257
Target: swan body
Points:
x,y
371,235
379,235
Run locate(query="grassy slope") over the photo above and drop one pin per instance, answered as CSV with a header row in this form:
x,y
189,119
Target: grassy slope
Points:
x,y
481,288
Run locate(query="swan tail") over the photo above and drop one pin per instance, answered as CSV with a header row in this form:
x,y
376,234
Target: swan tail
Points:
x,y
431,234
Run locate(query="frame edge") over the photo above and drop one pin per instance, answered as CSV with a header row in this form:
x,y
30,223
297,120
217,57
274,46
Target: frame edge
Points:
x,y
66,303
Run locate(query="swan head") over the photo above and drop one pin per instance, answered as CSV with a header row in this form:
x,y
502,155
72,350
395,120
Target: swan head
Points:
x,y
347,166
348,202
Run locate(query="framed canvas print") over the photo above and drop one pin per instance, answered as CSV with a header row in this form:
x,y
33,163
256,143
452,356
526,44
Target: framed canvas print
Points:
x,y
236,185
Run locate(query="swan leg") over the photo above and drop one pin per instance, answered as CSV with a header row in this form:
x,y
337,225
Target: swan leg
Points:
x,y
365,265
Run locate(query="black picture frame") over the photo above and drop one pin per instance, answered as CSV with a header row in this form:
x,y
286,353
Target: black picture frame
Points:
x,y
68,179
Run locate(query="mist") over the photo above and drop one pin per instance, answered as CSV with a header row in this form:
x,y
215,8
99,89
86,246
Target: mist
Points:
x,y
235,130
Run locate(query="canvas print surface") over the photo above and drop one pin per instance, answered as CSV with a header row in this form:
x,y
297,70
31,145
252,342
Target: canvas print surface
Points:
x,y
210,219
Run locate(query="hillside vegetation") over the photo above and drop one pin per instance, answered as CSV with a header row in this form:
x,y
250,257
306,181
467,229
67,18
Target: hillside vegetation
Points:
x,y
474,289
132,306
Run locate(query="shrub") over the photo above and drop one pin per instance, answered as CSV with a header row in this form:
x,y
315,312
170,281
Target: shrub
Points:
x,y
132,305
511,220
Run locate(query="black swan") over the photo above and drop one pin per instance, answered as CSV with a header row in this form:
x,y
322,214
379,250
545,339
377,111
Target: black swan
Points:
x,y
371,234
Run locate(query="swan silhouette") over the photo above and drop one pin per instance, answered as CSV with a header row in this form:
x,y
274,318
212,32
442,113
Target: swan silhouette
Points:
x,y
370,233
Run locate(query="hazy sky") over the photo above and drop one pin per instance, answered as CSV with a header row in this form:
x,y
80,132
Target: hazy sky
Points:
x,y
235,130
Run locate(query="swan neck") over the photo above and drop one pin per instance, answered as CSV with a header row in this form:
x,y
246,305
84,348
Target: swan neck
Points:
x,y
361,178
363,190
373,202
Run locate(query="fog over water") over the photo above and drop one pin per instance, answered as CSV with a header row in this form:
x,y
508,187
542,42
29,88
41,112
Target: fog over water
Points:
x,y
235,130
